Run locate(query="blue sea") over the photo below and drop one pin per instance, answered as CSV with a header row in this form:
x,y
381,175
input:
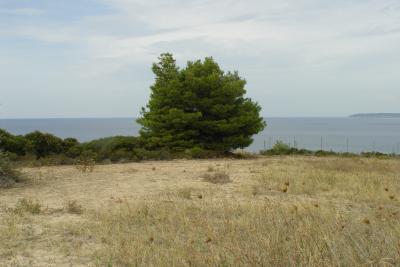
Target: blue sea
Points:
x,y
336,134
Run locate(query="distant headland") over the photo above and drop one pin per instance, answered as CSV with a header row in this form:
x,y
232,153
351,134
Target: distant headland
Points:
x,y
375,115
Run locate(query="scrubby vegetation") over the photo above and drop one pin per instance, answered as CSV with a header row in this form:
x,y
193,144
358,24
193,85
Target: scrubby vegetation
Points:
x,y
281,148
8,174
46,149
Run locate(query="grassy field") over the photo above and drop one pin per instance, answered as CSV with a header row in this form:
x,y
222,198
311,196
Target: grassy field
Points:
x,y
277,211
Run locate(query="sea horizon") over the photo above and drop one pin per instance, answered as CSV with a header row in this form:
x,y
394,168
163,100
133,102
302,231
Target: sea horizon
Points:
x,y
340,134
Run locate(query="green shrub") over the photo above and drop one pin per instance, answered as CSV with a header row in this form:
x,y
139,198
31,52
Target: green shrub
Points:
x,y
13,144
45,144
281,148
8,174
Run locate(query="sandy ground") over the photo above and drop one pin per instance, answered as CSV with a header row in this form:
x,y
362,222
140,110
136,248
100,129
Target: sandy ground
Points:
x,y
46,240
53,186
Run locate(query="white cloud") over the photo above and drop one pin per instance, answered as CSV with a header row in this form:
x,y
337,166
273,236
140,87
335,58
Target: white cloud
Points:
x,y
302,44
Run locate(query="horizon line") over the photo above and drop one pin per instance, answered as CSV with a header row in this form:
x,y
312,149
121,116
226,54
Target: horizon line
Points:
x,y
124,117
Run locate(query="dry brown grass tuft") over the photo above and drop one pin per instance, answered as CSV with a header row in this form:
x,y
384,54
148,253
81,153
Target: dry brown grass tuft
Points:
x,y
86,165
217,178
210,168
27,205
73,207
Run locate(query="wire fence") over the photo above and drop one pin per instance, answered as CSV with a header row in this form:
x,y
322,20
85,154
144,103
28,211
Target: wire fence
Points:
x,y
349,144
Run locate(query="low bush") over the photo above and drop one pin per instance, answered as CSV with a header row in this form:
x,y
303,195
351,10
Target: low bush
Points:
x,y
281,148
17,145
41,149
8,173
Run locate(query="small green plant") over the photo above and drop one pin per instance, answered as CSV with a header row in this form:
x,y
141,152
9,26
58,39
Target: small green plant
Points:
x,y
73,207
26,205
217,178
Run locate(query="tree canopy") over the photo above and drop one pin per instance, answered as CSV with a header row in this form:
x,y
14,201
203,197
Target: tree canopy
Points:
x,y
198,106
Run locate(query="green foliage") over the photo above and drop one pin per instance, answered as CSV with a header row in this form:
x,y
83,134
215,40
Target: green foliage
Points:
x,y
45,144
115,148
200,153
8,174
281,148
14,144
198,106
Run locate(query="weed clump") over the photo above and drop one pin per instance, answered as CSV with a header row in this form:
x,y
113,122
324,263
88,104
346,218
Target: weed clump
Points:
x,y
217,178
86,165
73,207
26,205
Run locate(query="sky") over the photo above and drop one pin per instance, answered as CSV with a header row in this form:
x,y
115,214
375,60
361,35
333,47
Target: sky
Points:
x,y
92,58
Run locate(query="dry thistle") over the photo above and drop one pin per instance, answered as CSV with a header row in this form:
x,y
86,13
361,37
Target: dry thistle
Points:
x,y
392,197
284,190
366,221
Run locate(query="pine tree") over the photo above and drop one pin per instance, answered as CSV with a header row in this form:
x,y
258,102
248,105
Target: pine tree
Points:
x,y
198,106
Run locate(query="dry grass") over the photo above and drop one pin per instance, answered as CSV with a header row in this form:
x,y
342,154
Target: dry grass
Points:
x,y
85,165
73,207
283,211
217,178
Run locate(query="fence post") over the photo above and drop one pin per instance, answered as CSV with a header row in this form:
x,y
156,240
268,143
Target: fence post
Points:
x,y
321,143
